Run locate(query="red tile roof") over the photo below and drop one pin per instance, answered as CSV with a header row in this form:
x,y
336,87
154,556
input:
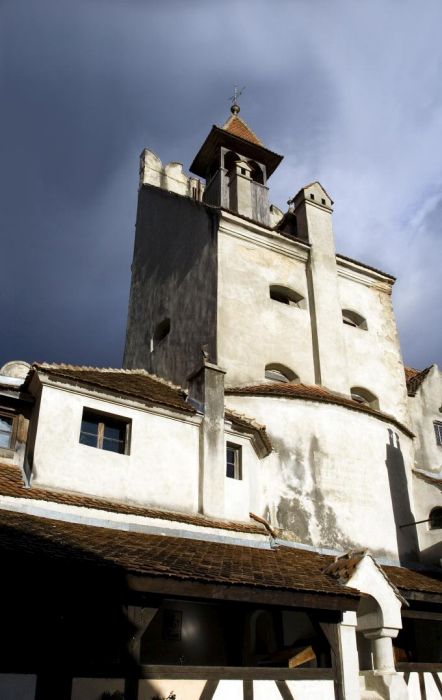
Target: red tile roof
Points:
x,y
412,580
250,425
414,378
137,384
284,568
11,484
237,126
402,578
367,267
312,393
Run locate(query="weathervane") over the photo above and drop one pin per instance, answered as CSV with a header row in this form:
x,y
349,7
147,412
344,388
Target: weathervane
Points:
x,y
234,99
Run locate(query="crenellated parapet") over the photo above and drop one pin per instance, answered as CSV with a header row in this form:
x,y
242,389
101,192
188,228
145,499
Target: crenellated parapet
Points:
x,y
169,177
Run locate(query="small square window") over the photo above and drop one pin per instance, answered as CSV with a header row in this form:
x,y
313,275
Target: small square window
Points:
x,y
7,431
105,432
438,431
233,461
312,196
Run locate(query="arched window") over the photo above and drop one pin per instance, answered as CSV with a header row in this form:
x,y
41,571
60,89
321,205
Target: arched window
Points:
x,y
285,295
279,373
256,173
161,331
351,318
230,159
364,397
435,520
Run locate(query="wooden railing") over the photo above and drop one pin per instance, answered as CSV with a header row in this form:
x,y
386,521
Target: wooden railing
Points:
x,y
255,673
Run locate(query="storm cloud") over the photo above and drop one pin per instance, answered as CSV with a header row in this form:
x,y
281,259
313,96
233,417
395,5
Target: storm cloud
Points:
x,y
349,92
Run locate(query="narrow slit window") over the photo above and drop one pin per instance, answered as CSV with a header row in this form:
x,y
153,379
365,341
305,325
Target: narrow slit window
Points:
x,y
7,432
438,431
233,461
161,332
435,520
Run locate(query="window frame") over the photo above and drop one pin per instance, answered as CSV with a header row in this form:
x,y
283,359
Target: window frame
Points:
x,y
12,435
437,424
354,319
435,518
365,397
282,374
237,463
287,296
102,416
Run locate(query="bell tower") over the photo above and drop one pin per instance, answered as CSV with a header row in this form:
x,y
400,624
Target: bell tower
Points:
x,y
236,166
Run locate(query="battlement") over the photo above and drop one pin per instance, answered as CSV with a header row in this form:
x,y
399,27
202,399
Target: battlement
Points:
x,y
169,177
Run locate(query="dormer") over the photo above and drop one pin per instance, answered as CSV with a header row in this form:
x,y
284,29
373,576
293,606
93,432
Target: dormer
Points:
x,y
236,166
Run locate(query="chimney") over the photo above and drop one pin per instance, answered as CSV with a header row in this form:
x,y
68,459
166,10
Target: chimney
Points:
x,y
206,393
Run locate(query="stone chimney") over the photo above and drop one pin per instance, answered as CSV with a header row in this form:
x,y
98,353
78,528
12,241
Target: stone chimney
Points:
x,y
206,393
313,210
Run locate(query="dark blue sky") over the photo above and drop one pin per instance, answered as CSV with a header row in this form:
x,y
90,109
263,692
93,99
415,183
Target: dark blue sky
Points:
x,y
348,92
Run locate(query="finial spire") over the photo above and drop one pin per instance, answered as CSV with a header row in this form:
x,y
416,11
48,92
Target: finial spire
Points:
x,y
235,108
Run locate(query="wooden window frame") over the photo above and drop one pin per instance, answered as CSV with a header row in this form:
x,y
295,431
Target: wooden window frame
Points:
x,y
126,422
13,436
237,466
438,432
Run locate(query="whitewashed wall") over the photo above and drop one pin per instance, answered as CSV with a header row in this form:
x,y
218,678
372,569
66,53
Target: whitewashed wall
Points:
x,y
161,469
254,330
328,480
374,359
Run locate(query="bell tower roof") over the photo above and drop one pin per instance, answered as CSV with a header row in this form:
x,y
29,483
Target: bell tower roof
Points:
x,y
237,126
237,136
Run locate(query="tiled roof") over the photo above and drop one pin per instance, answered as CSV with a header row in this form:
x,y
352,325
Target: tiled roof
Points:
x,y
137,384
412,580
249,424
312,393
367,267
284,568
414,378
11,484
402,578
237,126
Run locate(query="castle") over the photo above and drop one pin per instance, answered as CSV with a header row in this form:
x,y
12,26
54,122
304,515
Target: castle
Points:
x,y
251,507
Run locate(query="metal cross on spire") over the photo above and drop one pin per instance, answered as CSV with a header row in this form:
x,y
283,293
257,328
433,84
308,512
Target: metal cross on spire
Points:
x,y
234,99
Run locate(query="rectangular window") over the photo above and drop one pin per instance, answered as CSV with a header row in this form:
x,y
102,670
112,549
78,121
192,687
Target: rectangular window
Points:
x,y
105,432
7,432
438,431
233,461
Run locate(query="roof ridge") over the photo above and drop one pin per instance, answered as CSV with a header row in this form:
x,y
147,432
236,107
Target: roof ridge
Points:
x,y
104,370
242,416
232,120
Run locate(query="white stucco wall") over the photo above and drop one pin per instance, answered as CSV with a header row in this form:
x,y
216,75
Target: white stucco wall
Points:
x,y
374,359
426,497
425,408
254,330
161,469
242,496
328,481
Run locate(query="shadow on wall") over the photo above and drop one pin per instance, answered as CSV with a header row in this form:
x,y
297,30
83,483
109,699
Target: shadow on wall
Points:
x,y
404,518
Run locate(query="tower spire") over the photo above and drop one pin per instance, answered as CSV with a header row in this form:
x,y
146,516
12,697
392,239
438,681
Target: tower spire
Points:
x,y
235,108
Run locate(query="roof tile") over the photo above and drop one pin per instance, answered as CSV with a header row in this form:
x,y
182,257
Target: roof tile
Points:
x,y
11,484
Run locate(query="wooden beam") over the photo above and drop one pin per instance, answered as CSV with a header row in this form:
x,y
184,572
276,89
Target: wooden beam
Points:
x,y
244,594
235,673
